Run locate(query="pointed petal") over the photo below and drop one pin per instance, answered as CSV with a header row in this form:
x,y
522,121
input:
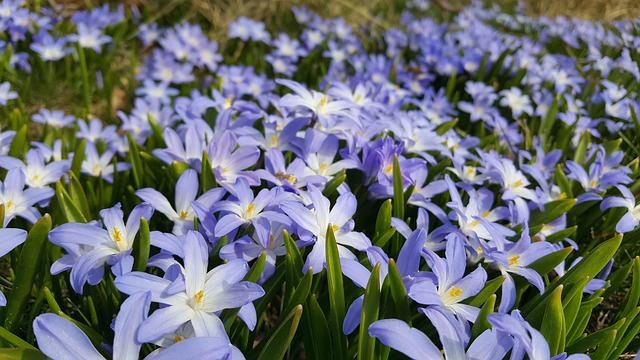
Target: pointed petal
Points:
x,y
186,190
397,335
158,201
207,325
164,321
234,296
132,313
60,339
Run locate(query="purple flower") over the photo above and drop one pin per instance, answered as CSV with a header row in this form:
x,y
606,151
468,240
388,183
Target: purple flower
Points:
x,y
268,238
413,343
229,163
6,94
186,191
37,174
452,286
10,239
629,220
295,176
89,246
514,258
313,225
90,37
20,202
49,48
245,208
318,104
55,118
98,165
194,296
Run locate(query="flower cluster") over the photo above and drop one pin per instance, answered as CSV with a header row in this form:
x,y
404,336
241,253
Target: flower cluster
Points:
x,y
421,190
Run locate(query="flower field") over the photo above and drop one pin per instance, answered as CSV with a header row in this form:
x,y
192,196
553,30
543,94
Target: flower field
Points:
x,y
457,187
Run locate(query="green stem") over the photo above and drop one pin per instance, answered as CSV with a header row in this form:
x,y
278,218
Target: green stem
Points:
x,y
85,78
14,340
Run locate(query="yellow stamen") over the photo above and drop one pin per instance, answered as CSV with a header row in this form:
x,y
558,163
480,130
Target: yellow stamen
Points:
x,y
486,214
479,250
455,292
592,183
178,338
198,296
562,196
97,168
183,215
335,228
250,208
514,260
388,169
227,102
116,234
518,183
323,168
274,140
323,101
9,203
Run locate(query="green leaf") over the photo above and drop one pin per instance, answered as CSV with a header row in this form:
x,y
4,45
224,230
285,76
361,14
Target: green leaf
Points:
x,y
572,300
626,339
316,333
490,288
569,232
136,163
78,156
142,246
332,186
399,308
301,292
398,190
584,313
398,202
444,127
278,343
207,178
546,263
31,258
552,211
293,260
589,266
497,67
617,278
563,182
78,196
633,295
22,354
68,207
482,323
553,324
336,294
383,221
602,338
451,86
370,308
229,315
581,150
382,239
13,339
616,350
18,143
546,124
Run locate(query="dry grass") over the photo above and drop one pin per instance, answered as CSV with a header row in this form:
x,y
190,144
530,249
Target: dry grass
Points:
x,y
601,10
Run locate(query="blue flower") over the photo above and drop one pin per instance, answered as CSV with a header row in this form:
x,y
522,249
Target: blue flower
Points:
x,y
89,247
19,202
10,239
195,296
